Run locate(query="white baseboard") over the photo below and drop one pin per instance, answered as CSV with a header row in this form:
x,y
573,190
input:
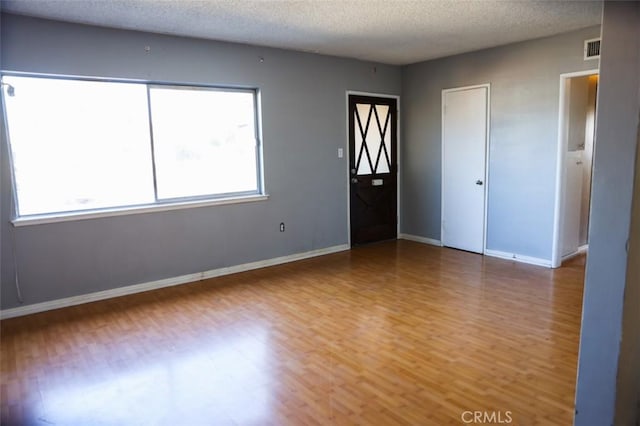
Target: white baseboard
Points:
x,y
581,249
167,282
518,258
492,253
420,239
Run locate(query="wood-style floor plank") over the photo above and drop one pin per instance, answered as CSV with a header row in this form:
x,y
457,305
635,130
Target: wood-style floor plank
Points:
x,y
396,333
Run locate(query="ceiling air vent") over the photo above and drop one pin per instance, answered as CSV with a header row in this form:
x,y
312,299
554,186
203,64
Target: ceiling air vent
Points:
x,y
592,49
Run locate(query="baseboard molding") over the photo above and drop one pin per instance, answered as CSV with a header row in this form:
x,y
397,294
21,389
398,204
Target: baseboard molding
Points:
x,y
492,253
167,282
581,250
420,239
519,258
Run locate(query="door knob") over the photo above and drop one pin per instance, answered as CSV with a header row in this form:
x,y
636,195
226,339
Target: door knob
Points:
x,y
478,182
354,180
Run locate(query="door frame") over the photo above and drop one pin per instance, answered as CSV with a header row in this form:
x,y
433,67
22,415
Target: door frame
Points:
x,y
486,159
563,140
347,176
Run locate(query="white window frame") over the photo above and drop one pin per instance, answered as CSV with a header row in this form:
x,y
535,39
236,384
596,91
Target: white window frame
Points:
x,y
159,205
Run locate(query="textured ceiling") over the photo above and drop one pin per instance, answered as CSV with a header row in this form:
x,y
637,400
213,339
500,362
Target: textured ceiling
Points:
x,y
389,31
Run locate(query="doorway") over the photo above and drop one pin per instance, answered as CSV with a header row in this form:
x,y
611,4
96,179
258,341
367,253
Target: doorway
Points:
x,y
373,168
465,124
576,130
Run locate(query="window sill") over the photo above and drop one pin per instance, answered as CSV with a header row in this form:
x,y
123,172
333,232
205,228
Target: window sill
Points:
x,y
123,211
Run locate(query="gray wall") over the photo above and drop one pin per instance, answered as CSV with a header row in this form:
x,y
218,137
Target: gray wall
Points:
x,y
525,81
304,123
628,381
2,174
602,367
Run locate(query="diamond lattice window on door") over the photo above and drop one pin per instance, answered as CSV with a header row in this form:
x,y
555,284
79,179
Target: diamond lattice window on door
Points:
x,y
372,139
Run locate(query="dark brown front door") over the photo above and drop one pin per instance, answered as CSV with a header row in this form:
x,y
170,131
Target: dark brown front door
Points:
x,y
373,168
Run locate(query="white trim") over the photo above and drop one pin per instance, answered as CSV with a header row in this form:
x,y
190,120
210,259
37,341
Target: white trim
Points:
x,y
581,250
486,158
475,86
260,136
518,258
167,282
122,211
419,239
378,95
556,257
486,170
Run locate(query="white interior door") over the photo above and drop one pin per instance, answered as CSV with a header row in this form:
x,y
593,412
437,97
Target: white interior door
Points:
x,y
464,141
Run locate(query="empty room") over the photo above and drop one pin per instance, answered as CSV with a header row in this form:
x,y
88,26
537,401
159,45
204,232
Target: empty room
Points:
x,y
281,212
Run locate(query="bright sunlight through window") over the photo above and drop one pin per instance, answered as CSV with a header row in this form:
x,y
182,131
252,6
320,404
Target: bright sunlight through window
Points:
x,y
88,145
204,141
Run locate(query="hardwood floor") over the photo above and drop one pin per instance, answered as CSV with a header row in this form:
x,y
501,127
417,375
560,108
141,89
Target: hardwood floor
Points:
x,y
392,333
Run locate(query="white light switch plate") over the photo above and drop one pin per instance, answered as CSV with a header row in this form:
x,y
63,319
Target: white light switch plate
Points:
x,y
340,152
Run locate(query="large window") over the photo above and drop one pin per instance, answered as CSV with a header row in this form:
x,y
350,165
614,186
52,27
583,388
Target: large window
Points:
x,y
80,145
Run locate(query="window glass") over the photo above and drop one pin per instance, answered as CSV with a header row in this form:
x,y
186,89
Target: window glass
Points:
x,y
87,145
204,141
78,145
